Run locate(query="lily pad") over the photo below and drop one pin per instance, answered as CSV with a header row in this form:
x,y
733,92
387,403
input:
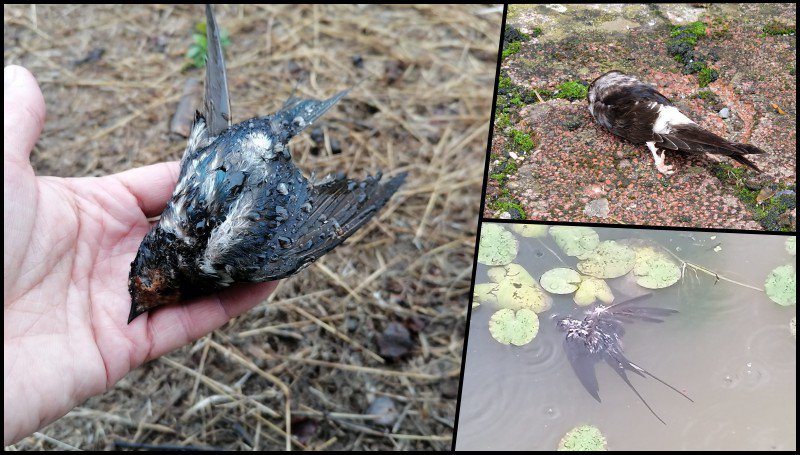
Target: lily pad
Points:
x,y
609,260
484,293
654,269
514,327
576,241
498,246
592,289
791,245
560,281
584,438
529,230
781,285
514,288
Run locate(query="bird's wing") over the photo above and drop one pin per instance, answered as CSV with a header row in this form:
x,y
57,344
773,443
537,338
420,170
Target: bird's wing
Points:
x,y
217,106
621,366
629,310
582,363
631,113
312,221
692,138
298,114
217,101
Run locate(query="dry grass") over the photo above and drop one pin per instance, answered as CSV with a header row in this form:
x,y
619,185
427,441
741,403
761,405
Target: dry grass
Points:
x,y
308,354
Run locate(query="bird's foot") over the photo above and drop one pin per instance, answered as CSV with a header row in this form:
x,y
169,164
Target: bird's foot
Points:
x,y
661,165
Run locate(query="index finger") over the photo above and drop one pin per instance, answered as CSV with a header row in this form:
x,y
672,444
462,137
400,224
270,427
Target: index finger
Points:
x,y
152,185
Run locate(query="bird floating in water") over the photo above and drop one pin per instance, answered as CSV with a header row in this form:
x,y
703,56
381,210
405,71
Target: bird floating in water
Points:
x,y
242,211
598,337
639,113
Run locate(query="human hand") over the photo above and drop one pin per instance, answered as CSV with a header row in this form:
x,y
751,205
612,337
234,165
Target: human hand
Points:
x,y
68,244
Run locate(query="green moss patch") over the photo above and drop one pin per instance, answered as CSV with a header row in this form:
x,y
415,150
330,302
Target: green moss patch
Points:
x,y
776,28
707,76
571,90
510,49
512,40
688,33
681,46
523,141
770,212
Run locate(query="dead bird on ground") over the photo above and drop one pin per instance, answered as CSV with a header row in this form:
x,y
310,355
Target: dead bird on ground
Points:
x,y
639,113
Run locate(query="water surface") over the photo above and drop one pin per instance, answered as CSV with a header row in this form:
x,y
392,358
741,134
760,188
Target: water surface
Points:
x,y
729,348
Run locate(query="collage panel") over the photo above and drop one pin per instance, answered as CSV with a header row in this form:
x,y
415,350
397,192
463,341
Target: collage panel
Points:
x,y
361,348
615,338
400,227
647,114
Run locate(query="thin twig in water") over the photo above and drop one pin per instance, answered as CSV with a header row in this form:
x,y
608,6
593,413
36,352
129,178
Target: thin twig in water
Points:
x,y
716,275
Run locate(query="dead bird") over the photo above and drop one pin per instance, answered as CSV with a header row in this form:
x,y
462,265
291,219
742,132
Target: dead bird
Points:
x,y
639,113
598,337
242,211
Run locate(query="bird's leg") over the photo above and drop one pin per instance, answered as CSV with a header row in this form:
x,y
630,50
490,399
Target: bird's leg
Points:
x,y
659,159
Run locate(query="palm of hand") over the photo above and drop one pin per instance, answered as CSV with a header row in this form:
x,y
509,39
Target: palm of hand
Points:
x,y
68,244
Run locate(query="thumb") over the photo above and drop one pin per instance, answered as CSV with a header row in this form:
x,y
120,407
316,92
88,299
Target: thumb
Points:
x,y
23,114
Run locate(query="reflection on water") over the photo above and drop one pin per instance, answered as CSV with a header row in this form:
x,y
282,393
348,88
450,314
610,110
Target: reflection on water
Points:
x,y
729,348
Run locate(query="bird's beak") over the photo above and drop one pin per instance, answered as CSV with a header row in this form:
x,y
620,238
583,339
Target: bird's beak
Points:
x,y
136,310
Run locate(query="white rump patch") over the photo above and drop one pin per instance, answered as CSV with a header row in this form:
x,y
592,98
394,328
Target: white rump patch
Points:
x,y
669,116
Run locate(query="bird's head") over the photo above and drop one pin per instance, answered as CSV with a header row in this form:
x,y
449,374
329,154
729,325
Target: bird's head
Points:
x,y
152,281
569,324
600,83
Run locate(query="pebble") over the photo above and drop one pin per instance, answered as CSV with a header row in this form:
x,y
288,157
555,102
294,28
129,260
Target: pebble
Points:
x,y
505,216
725,112
598,208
